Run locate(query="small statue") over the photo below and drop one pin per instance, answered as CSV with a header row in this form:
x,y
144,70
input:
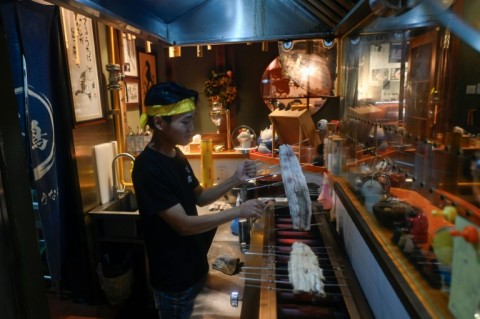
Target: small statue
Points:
x,y
265,140
245,138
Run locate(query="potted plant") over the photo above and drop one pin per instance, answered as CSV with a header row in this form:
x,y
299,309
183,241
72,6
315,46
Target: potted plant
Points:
x,y
220,88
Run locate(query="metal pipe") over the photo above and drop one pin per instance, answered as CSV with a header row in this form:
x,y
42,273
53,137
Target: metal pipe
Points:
x,y
115,94
116,189
229,129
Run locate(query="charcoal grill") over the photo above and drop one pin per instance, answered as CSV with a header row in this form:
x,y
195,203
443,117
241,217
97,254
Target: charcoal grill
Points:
x,y
268,293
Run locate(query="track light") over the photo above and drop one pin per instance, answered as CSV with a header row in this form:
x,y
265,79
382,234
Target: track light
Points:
x,y
148,46
264,46
174,52
199,51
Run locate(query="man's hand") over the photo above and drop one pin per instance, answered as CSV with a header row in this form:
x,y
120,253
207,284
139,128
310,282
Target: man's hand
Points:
x,y
251,208
246,170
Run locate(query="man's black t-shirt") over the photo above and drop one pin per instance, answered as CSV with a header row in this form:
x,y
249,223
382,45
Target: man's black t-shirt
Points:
x,y
160,182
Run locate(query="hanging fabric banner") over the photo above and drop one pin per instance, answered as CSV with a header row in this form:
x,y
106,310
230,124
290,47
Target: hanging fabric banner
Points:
x,y
31,29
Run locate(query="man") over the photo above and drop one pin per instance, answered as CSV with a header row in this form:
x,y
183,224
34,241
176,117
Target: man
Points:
x,y
177,239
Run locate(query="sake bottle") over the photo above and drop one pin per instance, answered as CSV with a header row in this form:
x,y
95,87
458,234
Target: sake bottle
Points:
x,y
139,144
146,136
131,141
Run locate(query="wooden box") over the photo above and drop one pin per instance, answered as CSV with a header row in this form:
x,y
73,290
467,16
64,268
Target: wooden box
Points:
x,y
294,127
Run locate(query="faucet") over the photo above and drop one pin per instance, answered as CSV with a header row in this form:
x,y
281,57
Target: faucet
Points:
x,y
119,189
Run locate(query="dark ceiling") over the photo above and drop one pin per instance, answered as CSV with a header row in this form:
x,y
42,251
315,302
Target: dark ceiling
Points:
x,y
191,22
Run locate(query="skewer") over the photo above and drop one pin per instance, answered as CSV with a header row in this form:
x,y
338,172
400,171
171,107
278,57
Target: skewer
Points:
x,y
301,165
263,186
404,163
280,275
258,268
273,255
291,290
277,253
286,282
285,252
264,175
300,142
271,261
273,268
365,149
290,227
269,167
283,200
274,246
428,263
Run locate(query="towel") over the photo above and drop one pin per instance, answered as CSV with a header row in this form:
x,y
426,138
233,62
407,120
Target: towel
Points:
x,y
226,264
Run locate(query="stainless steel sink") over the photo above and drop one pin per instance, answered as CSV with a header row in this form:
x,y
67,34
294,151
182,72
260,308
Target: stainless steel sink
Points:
x,y
127,203
117,220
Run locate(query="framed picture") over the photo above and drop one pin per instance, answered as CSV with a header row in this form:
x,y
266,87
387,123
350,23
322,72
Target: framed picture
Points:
x,y
380,75
148,74
129,55
395,53
81,47
395,74
132,92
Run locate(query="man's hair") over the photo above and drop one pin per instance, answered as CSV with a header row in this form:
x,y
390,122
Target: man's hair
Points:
x,y
168,93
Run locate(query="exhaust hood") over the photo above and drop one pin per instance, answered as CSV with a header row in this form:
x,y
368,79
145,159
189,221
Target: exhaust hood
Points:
x,y
193,22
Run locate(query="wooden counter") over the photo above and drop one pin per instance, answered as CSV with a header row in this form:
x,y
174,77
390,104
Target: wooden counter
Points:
x,y
218,155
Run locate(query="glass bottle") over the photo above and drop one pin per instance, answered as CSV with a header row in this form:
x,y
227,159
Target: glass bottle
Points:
x,y
131,141
139,141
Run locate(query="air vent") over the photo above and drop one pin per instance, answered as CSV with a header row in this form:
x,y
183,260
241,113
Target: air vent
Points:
x,y
385,8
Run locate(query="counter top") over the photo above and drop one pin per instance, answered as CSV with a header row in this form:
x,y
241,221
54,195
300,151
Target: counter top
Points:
x,y
216,155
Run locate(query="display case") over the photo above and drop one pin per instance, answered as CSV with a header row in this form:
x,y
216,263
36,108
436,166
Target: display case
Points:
x,y
407,190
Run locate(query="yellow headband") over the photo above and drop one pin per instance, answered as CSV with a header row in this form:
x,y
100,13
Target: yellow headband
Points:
x,y
183,106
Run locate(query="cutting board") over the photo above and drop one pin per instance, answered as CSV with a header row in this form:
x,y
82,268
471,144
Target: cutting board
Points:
x,y
104,154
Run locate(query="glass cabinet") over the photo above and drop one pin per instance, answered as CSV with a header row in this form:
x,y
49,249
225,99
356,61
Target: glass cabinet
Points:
x,y
410,158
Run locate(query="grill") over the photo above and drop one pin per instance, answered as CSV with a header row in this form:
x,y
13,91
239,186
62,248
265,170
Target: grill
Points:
x,y
268,292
